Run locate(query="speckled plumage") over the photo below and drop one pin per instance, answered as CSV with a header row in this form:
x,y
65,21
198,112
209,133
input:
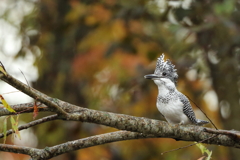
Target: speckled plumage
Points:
x,y
171,103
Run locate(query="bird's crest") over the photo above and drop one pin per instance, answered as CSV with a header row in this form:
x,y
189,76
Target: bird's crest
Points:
x,y
167,67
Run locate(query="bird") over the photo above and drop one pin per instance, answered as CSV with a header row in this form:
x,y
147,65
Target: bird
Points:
x,y
172,104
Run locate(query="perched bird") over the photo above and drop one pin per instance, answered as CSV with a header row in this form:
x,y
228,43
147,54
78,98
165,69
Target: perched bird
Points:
x,y
171,103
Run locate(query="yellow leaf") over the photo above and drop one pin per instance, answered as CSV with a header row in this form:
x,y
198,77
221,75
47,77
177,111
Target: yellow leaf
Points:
x,y
3,70
6,105
15,126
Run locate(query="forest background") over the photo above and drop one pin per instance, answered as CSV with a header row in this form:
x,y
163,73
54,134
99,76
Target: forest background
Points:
x,y
95,54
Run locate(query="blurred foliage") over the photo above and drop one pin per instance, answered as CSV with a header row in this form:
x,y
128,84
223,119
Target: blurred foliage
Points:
x,y
204,150
95,54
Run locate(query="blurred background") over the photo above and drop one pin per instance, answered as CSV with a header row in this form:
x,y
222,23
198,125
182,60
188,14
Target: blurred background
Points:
x,y
94,53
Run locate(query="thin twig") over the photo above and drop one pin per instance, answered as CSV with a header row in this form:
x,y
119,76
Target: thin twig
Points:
x,y
203,113
31,124
188,145
10,92
25,78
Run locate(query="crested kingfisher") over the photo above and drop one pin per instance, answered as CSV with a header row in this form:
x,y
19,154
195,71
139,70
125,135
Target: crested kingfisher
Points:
x,y
172,104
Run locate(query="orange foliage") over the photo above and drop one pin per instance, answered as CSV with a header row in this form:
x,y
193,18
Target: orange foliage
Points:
x,y
135,27
100,13
118,30
128,62
35,110
98,152
88,62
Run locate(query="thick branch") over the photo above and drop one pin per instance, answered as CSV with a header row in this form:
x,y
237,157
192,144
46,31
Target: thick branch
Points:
x,y
146,126
157,128
233,134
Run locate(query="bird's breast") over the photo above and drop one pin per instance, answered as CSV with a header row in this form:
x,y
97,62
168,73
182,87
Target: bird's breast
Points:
x,y
172,109
168,106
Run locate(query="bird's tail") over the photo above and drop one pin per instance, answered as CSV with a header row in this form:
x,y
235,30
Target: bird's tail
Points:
x,y
201,122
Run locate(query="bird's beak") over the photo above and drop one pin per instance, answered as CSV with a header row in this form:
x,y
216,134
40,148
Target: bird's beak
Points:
x,y
152,76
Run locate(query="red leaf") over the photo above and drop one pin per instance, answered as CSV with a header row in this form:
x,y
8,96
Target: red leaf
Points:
x,y
35,110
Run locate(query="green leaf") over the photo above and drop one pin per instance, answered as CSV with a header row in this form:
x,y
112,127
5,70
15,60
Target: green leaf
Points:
x,y
209,155
203,149
4,130
15,126
224,8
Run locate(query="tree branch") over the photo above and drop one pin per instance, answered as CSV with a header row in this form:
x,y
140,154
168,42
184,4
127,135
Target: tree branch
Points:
x,y
19,149
31,124
24,108
145,125
92,141
49,152
233,134
32,93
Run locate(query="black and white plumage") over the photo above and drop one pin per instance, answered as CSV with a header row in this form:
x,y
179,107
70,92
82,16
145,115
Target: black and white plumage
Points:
x,y
171,103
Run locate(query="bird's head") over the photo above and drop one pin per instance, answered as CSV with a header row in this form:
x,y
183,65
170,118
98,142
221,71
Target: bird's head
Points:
x,y
164,71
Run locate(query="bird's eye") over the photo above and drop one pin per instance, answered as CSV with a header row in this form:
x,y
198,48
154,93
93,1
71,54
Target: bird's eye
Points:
x,y
164,73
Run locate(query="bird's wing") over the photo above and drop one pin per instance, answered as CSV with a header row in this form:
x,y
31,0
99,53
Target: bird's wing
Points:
x,y
187,108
